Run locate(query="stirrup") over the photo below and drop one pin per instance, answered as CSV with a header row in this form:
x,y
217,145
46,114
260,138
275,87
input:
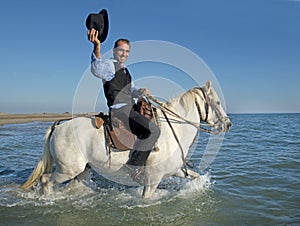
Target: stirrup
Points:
x,y
136,173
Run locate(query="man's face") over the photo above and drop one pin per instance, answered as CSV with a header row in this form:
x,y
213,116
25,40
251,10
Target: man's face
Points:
x,y
121,53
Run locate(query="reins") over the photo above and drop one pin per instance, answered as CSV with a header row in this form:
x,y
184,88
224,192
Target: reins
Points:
x,y
176,138
197,125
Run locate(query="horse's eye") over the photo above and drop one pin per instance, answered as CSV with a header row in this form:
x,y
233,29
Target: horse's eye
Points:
x,y
218,103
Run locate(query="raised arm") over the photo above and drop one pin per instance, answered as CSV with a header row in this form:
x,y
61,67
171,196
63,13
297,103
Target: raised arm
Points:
x,y
103,69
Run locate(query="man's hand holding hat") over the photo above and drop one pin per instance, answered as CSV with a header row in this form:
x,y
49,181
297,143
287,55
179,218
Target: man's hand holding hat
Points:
x,y
93,37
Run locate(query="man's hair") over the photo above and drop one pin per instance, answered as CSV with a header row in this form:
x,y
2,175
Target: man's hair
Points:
x,y
121,40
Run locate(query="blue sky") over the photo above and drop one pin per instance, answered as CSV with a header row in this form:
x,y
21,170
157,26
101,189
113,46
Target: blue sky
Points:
x,y
252,47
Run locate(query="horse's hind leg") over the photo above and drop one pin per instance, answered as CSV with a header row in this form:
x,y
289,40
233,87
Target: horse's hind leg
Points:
x,y
60,176
56,178
45,178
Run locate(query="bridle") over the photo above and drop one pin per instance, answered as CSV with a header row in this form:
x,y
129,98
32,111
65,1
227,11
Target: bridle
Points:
x,y
209,104
206,105
180,119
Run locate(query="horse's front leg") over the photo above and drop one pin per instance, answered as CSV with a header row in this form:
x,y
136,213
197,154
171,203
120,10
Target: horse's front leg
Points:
x,y
149,189
151,182
84,175
190,174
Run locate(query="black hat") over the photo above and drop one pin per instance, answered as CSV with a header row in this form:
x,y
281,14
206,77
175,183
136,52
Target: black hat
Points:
x,y
99,22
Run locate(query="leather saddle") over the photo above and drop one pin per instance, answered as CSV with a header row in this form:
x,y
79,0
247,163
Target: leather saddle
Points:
x,y
117,135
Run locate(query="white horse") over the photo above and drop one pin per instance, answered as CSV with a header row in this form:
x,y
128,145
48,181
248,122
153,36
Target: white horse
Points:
x,y
76,145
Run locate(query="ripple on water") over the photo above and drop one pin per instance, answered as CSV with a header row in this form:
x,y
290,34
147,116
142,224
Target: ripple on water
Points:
x,y
255,181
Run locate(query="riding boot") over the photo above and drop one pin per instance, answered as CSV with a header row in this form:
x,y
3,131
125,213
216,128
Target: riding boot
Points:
x,y
138,158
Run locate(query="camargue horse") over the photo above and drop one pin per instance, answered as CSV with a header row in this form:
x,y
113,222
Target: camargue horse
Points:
x,y
76,145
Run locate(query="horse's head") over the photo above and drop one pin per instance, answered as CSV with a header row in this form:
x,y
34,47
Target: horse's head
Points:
x,y
214,113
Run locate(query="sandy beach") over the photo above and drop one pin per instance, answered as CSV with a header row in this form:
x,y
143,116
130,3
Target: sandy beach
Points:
x,y
24,118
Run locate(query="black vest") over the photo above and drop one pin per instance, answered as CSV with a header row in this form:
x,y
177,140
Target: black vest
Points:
x,y
118,90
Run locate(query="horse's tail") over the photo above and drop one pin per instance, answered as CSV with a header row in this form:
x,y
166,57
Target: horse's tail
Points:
x,y
44,164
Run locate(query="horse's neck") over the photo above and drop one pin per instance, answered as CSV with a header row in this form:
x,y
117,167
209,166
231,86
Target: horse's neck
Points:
x,y
186,108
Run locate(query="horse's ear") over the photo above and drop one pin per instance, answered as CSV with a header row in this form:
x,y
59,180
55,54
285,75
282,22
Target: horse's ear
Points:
x,y
208,85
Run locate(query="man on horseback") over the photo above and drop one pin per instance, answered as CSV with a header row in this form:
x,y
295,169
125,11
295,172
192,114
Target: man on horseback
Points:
x,y
119,91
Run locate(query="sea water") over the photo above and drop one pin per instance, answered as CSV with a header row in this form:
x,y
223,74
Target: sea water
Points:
x,y
254,180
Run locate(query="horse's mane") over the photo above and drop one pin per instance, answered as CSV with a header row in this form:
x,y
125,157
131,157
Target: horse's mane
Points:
x,y
184,100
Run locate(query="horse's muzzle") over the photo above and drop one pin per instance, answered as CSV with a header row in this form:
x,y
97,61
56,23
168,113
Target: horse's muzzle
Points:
x,y
223,126
227,125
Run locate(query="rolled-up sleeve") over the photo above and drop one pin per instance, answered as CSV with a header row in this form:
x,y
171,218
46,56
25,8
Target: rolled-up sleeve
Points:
x,y
103,69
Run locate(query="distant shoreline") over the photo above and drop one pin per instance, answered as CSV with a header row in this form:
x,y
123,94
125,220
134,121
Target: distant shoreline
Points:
x,y
25,118
6,118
